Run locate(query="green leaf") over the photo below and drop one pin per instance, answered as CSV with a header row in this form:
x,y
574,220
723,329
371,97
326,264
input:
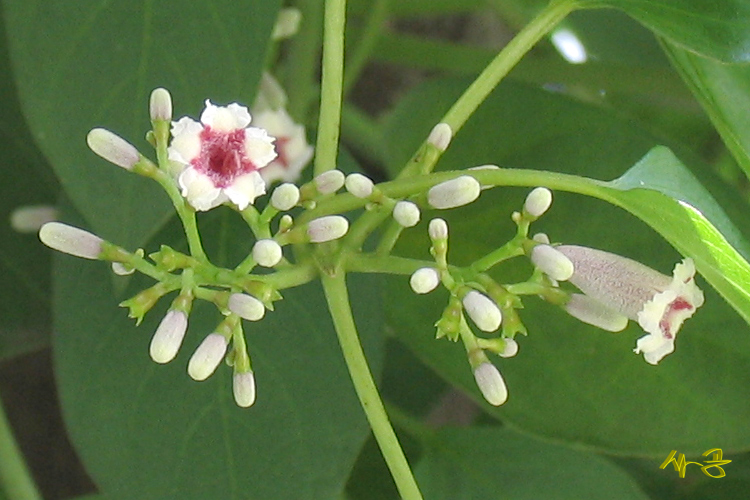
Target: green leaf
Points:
x,y
717,29
570,381
80,65
475,463
724,92
148,431
25,179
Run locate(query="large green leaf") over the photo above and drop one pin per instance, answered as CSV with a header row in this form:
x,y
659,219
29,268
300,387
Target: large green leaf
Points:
x,y
25,179
83,64
148,431
465,464
724,92
571,381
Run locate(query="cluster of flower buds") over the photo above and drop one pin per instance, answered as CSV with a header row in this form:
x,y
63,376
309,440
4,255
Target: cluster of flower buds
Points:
x,y
614,289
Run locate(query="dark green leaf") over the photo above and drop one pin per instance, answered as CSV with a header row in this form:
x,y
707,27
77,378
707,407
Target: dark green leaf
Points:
x,y
717,29
464,464
80,65
724,92
25,179
148,431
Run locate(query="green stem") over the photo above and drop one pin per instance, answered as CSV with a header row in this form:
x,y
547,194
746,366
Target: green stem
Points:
x,y
332,81
337,296
15,477
491,76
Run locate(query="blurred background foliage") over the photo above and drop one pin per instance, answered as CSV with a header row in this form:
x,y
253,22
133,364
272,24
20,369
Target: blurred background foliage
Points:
x,y
585,418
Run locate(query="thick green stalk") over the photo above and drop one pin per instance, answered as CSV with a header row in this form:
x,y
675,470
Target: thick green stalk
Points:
x,y
337,296
332,82
15,478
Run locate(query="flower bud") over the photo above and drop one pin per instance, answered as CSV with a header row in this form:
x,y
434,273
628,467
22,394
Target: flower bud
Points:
x,y
553,263
359,185
160,105
491,384
454,193
406,213
168,337
287,24
285,196
424,280
246,306
113,148
438,229
207,357
440,136
482,311
121,269
267,253
30,218
595,313
329,181
510,350
243,386
541,238
328,228
538,201
71,240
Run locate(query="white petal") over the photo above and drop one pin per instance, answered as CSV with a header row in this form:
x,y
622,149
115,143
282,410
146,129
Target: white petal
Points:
x,y
245,189
654,347
186,142
199,190
259,147
227,118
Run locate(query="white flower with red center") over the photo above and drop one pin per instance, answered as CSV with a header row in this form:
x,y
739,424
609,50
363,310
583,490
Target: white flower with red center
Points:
x,y
658,303
294,153
220,158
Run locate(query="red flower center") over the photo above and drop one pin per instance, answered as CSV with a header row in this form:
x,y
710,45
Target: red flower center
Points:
x,y
222,157
679,304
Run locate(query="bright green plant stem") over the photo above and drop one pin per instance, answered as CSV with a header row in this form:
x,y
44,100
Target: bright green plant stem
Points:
x,y
15,477
332,81
337,296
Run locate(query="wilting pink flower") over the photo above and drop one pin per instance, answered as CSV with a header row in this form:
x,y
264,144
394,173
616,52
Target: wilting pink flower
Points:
x,y
220,158
658,303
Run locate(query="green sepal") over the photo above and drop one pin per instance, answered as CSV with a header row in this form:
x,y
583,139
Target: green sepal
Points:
x,y
169,259
142,302
449,324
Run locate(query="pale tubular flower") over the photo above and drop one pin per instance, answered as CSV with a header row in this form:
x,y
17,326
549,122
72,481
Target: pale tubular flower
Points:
x,y
329,181
220,158
359,185
538,201
285,196
293,151
168,337
440,136
160,105
482,311
243,387
267,252
454,193
595,313
658,303
113,148
328,228
71,240
552,262
406,213
31,218
246,306
491,384
207,357
424,280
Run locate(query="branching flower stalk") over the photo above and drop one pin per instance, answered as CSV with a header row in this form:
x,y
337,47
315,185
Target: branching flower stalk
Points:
x,y
234,158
